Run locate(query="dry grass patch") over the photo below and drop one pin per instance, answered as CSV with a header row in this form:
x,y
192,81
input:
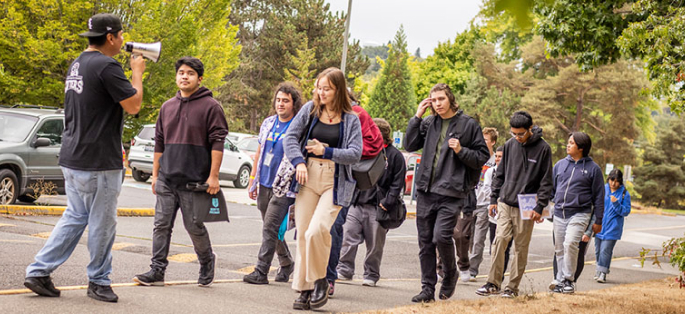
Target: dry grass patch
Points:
x,y
656,296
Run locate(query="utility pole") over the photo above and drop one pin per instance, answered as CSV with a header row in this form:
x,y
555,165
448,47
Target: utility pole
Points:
x,y
347,34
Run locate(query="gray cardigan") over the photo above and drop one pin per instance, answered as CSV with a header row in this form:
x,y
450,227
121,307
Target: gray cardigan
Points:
x,y
348,152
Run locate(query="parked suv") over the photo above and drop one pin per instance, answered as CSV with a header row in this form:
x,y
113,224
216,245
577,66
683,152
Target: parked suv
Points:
x,y
30,140
235,166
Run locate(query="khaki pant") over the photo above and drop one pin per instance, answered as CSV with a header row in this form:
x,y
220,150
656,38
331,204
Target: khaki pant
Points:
x,y
510,226
314,217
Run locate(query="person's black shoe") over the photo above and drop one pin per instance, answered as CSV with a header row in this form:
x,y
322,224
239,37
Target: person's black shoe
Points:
x,y
101,293
42,286
302,302
423,297
283,274
320,294
256,278
154,277
449,284
207,272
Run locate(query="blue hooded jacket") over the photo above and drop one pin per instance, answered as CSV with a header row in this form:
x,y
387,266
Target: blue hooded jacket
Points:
x,y
578,186
614,213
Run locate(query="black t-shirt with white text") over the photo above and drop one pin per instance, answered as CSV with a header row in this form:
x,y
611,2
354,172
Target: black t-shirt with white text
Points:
x,y
94,119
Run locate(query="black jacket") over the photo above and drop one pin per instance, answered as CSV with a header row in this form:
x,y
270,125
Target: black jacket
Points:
x,y
457,174
391,185
525,169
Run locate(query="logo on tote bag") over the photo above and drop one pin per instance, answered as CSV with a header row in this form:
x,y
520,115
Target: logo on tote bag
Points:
x,y
214,210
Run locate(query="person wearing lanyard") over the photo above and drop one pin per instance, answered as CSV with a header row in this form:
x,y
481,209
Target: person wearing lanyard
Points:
x,y
287,102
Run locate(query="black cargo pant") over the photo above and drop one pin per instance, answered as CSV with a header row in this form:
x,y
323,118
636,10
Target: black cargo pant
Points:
x,y
436,216
169,200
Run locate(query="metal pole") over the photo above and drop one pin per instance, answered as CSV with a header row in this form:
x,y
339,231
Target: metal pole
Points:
x,y
347,34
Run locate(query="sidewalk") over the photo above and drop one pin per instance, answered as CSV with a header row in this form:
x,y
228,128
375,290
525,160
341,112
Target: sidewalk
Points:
x,y
234,296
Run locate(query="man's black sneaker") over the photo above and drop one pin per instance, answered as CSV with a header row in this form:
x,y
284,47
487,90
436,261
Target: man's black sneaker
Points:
x,y
207,272
256,278
42,286
101,293
154,277
488,289
558,289
423,297
449,284
283,274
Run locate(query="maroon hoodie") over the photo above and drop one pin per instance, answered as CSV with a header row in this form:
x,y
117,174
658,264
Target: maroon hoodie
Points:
x,y
187,131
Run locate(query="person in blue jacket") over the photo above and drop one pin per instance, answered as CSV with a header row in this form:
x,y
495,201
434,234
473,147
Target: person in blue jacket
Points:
x,y
616,206
578,188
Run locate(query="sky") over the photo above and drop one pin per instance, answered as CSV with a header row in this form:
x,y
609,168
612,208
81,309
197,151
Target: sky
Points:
x,y
426,22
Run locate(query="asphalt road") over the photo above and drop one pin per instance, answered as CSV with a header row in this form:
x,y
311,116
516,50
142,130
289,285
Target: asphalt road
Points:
x,y
237,244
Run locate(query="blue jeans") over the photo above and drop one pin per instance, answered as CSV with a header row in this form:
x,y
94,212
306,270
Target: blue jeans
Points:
x,y
91,201
604,249
336,245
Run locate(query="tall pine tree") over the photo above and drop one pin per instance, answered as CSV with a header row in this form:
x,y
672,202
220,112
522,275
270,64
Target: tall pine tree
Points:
x,y
393,96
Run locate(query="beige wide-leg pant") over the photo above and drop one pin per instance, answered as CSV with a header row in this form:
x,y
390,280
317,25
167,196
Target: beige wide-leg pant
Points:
x,y
315,214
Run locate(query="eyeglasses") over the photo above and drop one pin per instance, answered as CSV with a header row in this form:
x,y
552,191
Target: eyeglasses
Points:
x,y
518,135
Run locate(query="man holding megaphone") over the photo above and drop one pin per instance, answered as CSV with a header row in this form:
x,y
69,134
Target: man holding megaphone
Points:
x,y
95,92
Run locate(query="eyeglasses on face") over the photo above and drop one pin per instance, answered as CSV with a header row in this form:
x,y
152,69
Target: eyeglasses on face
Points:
x,y
518,135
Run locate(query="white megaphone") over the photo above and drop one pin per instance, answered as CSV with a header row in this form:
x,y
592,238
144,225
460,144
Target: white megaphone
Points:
x,y
150,51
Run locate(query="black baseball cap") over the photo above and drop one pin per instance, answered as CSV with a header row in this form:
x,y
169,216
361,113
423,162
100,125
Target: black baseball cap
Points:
x,y
101,24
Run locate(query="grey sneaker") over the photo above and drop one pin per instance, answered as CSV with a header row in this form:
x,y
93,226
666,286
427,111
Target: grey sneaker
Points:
x,y
342,277
568,287
154,277
596,275
602,278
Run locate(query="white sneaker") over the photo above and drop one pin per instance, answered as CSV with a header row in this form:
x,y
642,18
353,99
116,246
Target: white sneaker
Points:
x,y
465,276
552,285
368,283
343,277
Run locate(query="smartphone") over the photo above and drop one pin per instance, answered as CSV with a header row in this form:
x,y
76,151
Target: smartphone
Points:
x,y
311,143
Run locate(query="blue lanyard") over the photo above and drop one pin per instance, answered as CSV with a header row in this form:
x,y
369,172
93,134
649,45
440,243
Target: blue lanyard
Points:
x,y
275,139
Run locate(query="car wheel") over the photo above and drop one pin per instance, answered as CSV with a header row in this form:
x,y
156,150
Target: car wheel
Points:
x,y
243,177
140,176
8,187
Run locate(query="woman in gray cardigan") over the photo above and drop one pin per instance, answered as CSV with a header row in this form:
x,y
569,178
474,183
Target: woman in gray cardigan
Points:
x,y
322,143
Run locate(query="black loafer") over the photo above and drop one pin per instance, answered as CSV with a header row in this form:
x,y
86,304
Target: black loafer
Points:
x,y
302,302
320,294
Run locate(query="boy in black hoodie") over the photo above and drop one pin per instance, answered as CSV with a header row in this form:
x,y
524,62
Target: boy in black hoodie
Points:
x,y
191,129
526,168
454,152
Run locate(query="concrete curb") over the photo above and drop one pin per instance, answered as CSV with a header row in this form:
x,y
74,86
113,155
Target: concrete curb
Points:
x,y
58,210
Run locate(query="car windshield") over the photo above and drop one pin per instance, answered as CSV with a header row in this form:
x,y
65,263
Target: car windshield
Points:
x,y
249,144
15,127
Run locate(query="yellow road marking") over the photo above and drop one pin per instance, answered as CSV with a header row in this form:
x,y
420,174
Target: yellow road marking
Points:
x,y
249,269
121,245
236,244
657,228
43,235
16,241
183,258
7,225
